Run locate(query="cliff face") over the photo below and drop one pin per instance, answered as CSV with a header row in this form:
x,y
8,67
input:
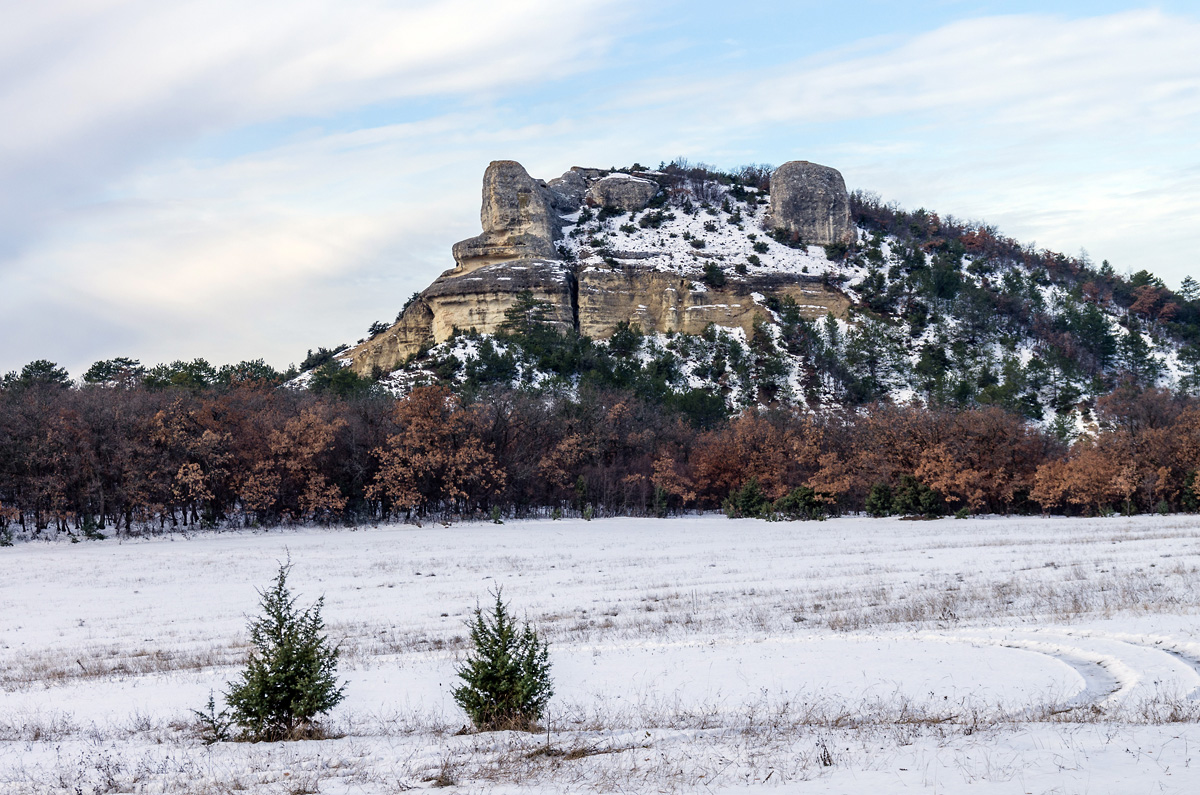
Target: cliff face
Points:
x,y
673,269
670,302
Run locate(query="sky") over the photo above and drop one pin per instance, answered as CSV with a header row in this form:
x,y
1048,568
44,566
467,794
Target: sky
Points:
x,y
234,180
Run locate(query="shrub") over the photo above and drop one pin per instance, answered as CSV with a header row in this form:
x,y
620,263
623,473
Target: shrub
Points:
x,y
789,239
879,500
740,268
322,356
655,219
748,502
291,676
212,726
697,242
836,251
913,498
761,247
800,503
710,226
506,676
713,275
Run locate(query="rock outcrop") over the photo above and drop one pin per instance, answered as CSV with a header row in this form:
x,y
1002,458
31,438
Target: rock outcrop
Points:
x,y
569,190
478,300
668,302
518,219
811,202
386,351
659,287
622,192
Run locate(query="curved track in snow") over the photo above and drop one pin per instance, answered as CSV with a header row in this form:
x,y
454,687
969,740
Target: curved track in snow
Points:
x,y
1118,670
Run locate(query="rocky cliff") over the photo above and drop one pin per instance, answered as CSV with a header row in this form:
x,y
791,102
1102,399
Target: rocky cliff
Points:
x,y
670,254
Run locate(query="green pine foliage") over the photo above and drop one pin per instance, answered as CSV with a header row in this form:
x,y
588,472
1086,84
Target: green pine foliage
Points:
x,y
913,498
801,503
291,675
748,502
879,500
506,676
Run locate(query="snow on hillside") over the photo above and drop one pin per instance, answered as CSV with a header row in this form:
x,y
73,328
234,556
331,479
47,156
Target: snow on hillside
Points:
x,y
664,239
990,655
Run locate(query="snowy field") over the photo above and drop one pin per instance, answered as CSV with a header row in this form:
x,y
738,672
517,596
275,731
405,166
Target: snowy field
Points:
x,y
696,654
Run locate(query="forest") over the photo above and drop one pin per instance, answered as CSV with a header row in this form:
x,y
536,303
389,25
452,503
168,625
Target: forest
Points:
x,y
94,460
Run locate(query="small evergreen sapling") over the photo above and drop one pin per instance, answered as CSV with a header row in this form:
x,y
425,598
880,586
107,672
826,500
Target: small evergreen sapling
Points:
x,y
506,676
291,676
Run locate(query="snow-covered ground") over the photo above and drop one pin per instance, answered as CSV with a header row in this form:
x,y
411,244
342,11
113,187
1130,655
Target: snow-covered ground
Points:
x,y
852,656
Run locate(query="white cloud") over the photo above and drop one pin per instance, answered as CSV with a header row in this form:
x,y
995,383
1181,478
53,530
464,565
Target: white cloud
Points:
x,y
1070,132
88,90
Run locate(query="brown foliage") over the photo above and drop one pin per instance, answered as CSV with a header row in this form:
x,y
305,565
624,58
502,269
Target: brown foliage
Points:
x,y
105,458
437,458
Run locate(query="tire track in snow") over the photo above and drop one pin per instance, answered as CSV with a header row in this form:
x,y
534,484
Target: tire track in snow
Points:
x,y
1117,669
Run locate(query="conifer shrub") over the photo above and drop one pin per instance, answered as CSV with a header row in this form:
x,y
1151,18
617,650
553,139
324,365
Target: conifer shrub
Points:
x,y
713,275
748,502
914,498
506,676
800,503
291,675
879,501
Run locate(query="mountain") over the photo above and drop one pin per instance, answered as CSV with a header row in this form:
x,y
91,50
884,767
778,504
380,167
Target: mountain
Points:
x,y
769,287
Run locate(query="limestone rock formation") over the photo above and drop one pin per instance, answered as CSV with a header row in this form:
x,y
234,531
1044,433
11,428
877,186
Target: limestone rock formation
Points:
x,y
622,192
811,202
649,271
518,219
386,351
668,302
479,299
569,190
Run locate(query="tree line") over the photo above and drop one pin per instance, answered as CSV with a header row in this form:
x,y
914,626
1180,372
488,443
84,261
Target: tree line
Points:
x,y
100,459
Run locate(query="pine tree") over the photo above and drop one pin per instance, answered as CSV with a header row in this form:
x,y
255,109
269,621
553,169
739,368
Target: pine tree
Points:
x,y
291,676
506,676
1189,288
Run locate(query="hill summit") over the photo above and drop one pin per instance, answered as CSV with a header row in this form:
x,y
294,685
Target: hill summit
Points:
x,y
768,287
688,253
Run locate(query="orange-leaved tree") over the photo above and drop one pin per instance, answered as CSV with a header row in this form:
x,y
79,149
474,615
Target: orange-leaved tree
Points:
x,y
437,460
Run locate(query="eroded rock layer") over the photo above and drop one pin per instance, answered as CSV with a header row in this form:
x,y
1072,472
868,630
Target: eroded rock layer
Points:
x,y
669,302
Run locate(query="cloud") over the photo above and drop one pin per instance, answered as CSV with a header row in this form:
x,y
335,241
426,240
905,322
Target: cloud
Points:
x,y
1053,73
1070,132
88,90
